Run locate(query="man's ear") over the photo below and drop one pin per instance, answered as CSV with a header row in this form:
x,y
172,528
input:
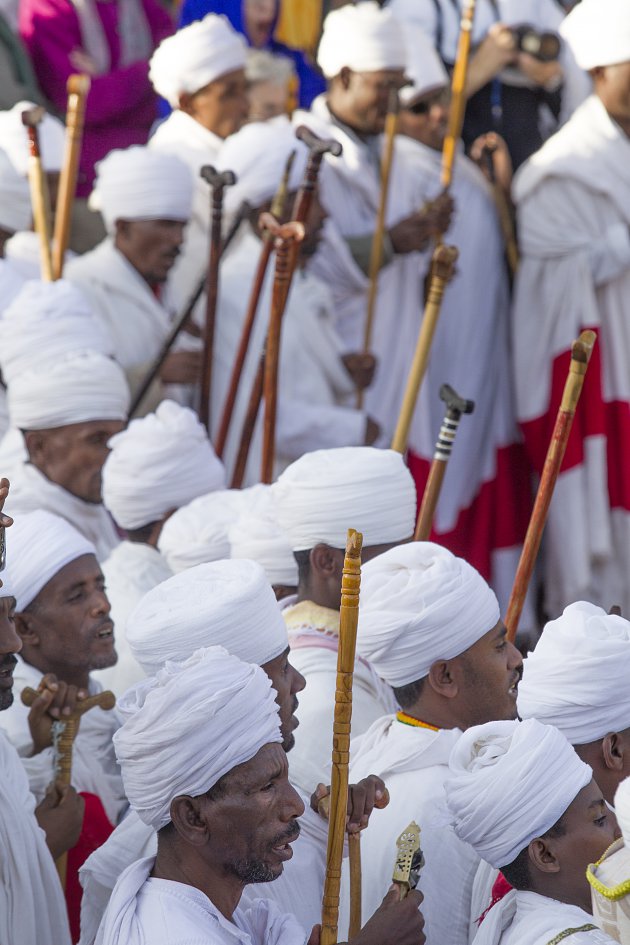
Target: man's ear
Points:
x,y
442,679
35,442
542,855
25,625
189,821
324,561
613,751
345,77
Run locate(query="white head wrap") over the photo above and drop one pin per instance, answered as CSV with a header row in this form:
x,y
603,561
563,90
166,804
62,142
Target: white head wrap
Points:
x,y
509,783
322,494
258,154
70,390
598,32
424,66
39,545
420,604
159,463
47,321
225,603
257,535
185,728
622,809
363,38
142,184
14,138
195,56
15,200
576,678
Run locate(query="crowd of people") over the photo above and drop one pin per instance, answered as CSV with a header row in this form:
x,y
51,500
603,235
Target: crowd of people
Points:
x,y
145,549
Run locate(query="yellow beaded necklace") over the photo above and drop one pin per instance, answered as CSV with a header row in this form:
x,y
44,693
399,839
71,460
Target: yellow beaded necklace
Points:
x,y
416,723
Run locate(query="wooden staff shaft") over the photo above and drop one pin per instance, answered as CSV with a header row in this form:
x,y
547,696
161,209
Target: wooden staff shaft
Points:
x,y
430,498
349,616
249,425
580,356
458,93
78,87
354,856
40,198
506,220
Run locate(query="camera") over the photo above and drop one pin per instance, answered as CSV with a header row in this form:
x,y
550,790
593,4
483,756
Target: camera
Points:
x,y
542,46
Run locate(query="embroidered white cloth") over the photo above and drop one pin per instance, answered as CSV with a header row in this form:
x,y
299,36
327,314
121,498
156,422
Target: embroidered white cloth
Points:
x,y
528,917
363,38
598,32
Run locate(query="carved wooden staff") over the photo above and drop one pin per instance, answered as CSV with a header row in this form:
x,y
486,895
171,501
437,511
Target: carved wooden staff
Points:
x,y
218,181
349,618
409,860
458,93
456,406
64,734
278,207
40,197
581,351
505,217
78,87
442,269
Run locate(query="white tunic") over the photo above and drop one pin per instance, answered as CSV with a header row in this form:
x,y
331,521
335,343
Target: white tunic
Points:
x,y
413,762
131,571
32,906
525,918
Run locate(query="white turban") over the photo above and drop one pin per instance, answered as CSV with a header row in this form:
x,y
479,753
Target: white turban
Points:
x,y
424,66
509,783
70,390
185,728
39,545
195,56
622,809
258,154
577,676
225,603
363,38
47,321
420,604
598,32
142,184
158,464
323,494
14,138
15,199
257,535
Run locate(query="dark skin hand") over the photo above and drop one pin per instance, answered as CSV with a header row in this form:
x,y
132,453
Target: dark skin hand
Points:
x,y
500,156
60,815
182,367
372,431
363,797
361,367
56,701
414,233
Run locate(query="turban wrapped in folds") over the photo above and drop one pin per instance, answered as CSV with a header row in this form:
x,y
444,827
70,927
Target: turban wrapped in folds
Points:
x,y
598,32
363,38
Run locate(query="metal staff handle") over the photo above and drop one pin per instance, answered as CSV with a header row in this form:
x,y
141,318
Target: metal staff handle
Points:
x,y
409,860
78,87
581,351
349,618
458,93
218,181
456,406
442,269
40,198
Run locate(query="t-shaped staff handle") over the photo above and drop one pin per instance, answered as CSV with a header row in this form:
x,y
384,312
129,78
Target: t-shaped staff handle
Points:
x,y
318,148
455,405
218,180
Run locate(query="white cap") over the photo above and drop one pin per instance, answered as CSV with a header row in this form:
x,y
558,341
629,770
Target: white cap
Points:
x,y
364,38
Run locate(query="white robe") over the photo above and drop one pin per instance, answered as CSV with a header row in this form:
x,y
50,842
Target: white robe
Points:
x,y
313,638
131,571
163,912
413,762
526,918
31,490
32,905
313,383
573,201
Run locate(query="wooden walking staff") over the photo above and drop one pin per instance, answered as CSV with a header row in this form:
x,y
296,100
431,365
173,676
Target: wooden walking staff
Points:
x,y
442,269
78,87
456,406
40,197
218,182
277,211
458,93
64,733
581,351
349,618
503,210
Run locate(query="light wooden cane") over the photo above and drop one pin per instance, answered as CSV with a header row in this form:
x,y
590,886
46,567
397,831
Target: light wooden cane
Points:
x,y
506,220
78,87
40,198
442,269
349,617
581,351
64,734
458,94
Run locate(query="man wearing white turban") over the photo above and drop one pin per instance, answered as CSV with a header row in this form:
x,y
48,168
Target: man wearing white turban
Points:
x,y
430,627
145,198
521,798
156,465
573,203
62,619
257,535
201,761
316,500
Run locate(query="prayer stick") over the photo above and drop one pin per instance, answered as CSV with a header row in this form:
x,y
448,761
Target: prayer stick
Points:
x,y
349,617
458,93
218,182
278,207
455,407
78,87
354,856
581,351
40,197
442,269
64,733
505,217
409,860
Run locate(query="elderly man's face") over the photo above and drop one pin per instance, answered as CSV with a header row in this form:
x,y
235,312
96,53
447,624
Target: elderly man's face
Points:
x,y
360,99
221,106
287,681
10,644
73,456
151,246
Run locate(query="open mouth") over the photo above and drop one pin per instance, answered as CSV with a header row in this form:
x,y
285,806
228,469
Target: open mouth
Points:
x,y
106,633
